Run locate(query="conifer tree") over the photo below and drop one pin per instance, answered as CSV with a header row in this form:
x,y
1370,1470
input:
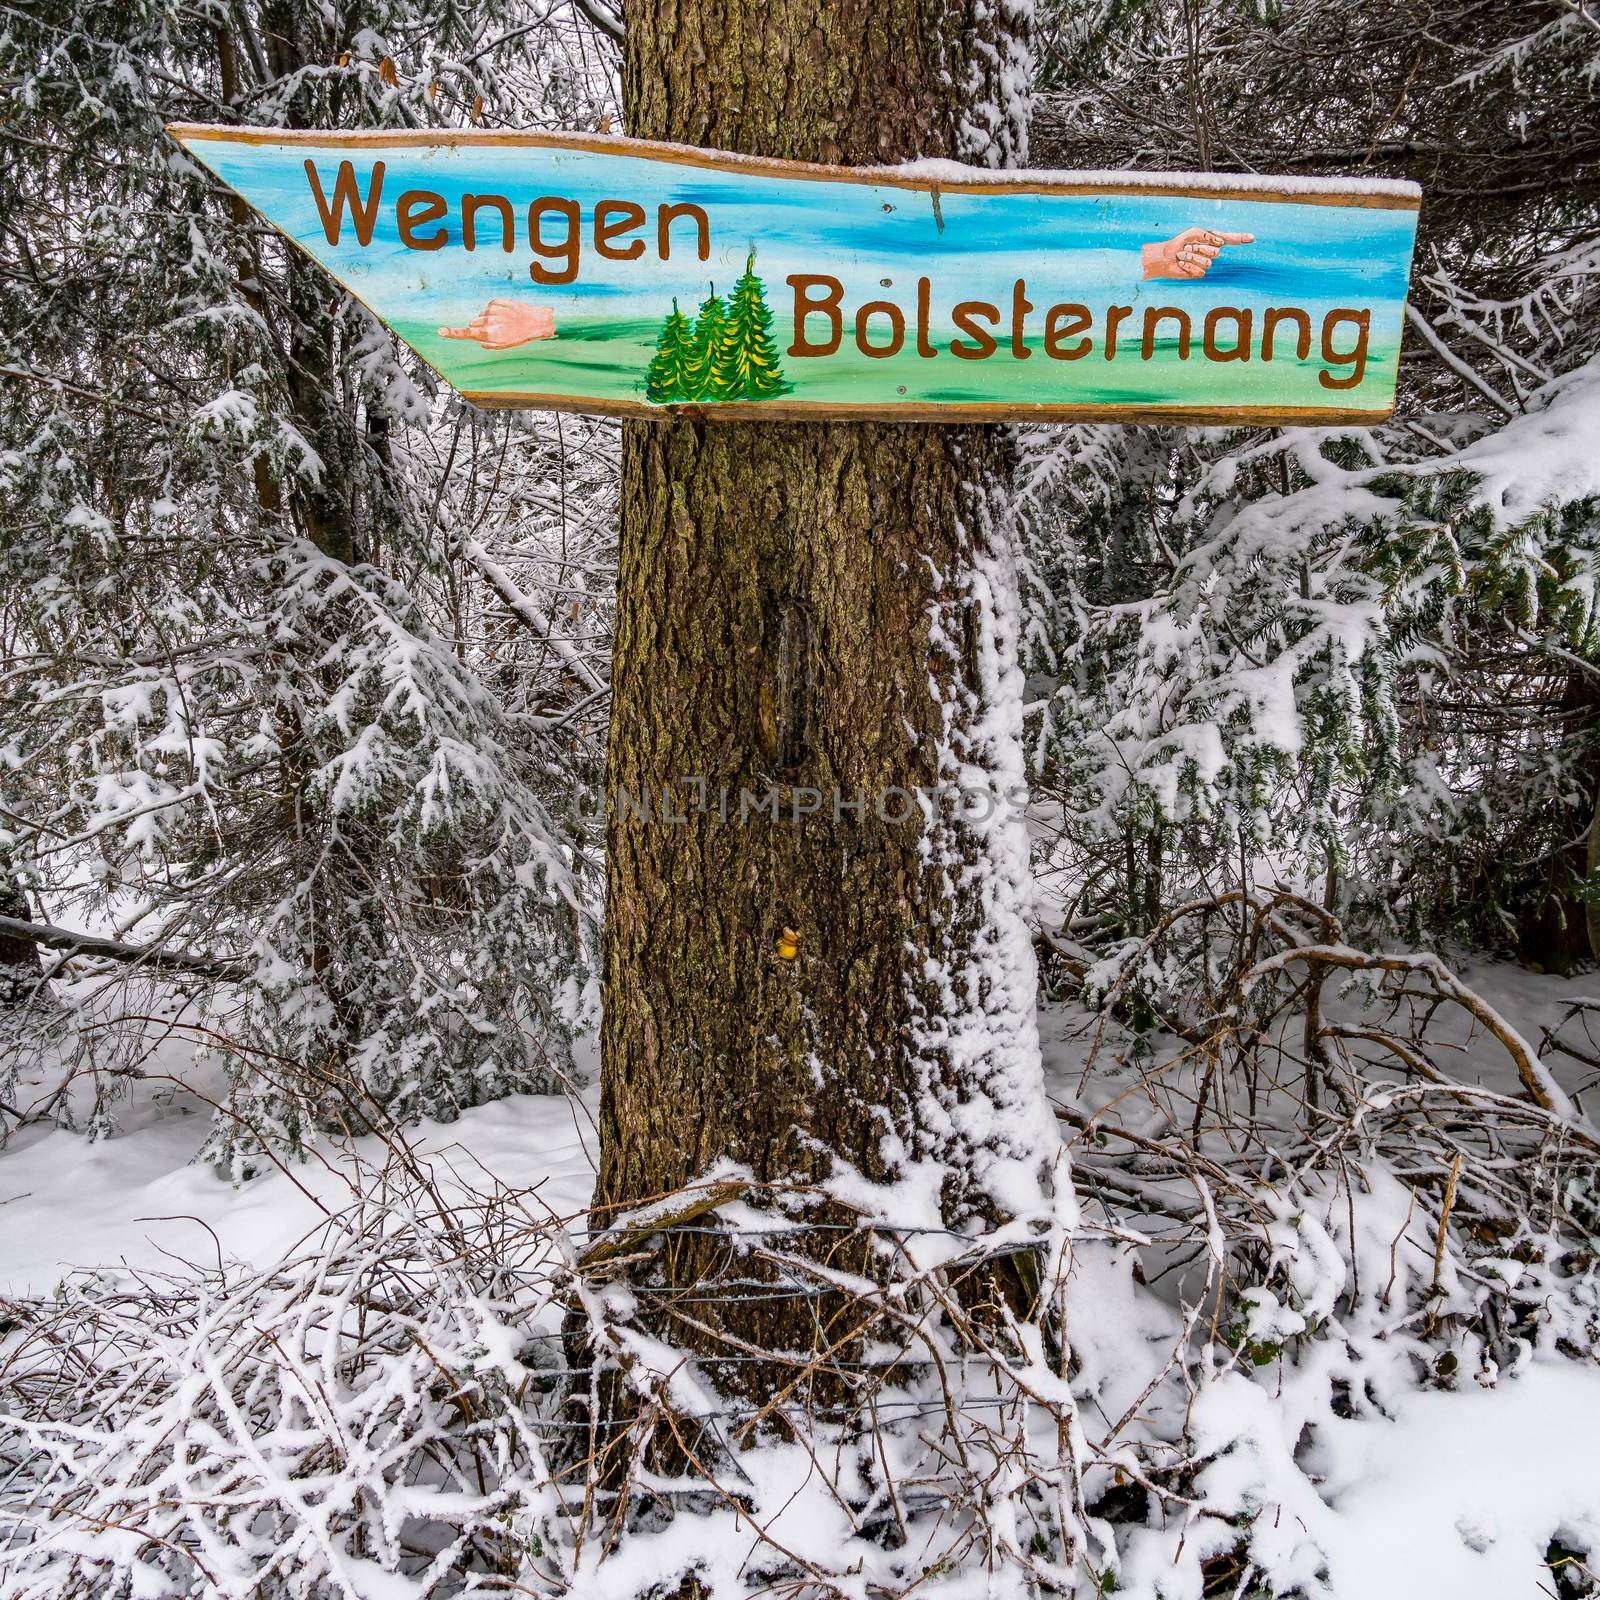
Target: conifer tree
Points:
x,y
709,328
367,825
666,379
745,365
810,606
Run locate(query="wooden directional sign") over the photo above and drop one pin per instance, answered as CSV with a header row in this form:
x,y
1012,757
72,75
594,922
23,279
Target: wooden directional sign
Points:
x,y
618,276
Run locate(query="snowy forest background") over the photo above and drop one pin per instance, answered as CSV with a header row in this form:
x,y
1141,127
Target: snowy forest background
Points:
x,y
302,718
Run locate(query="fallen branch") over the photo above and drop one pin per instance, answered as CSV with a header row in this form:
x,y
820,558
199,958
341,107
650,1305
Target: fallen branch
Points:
x,y
88,944
627,1235
1536,1079
530,616
1412,1058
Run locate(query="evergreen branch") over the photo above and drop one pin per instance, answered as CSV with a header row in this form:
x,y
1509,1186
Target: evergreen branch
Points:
x,y
47,381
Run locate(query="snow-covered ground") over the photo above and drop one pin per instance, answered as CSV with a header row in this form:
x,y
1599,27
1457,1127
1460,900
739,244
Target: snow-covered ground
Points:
x,y
1431,1495
139,1199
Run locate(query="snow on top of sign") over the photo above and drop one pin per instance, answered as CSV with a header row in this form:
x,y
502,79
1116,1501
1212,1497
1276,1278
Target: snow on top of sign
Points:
x,y
928,170
933,170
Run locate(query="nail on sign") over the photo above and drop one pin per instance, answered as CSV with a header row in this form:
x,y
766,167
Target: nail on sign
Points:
x,y
618,276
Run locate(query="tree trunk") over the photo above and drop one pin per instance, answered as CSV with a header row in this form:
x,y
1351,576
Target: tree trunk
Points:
x,y
822,613
1557,918
20,970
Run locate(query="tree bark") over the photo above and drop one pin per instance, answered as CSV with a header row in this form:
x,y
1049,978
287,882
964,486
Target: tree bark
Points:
x,y
814,610
20,969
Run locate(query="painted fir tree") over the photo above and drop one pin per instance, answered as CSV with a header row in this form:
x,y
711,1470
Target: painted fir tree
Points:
x,y
709,328
745,363
667,378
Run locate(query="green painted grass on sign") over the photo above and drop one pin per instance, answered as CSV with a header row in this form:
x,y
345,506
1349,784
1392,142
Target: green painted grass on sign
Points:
x,y
609,359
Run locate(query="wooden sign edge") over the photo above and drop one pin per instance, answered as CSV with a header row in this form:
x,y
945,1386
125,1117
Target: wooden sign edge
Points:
x,y
922,411
1404,196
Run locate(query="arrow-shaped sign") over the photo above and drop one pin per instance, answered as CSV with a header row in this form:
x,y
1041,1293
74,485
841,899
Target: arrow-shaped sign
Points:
x,y
619,276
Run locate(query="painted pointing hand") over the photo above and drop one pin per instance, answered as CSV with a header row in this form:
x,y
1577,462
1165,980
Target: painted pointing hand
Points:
x,y
1188,254
505,323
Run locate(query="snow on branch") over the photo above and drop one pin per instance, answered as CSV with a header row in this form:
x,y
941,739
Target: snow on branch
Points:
x,y
157,959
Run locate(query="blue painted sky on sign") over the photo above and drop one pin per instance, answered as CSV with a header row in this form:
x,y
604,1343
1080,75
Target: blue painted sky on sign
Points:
x,y
1067,247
